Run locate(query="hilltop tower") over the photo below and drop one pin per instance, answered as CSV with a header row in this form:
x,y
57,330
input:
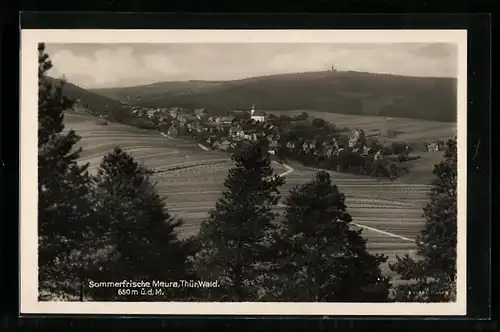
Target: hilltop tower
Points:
x,y
252,110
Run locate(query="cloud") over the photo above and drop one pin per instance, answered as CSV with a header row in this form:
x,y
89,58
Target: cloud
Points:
x,y
436,50
104,65
110,67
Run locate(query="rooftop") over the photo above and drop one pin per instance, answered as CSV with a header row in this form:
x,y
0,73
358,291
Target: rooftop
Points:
x,y
227,118
259,113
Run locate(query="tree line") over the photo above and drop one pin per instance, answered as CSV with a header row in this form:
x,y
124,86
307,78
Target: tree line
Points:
x,y
114,226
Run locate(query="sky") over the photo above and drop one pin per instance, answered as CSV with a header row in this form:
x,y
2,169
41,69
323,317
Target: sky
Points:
x,y
117,65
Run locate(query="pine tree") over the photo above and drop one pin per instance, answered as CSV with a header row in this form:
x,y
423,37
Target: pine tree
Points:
x,y
434,275
320,258
137,229
235,239
63,206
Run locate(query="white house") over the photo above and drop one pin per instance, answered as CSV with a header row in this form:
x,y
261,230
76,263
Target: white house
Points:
x,y
259,116
357,137
432,147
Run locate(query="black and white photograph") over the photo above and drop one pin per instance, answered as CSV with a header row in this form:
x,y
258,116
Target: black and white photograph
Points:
x,y
243,172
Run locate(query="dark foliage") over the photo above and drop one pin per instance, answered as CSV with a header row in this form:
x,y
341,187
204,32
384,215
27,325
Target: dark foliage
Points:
x,y
434,272
63,191
136,230
320,258
235,238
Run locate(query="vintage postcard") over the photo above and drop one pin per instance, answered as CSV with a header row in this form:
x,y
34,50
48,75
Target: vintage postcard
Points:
x,y
243,172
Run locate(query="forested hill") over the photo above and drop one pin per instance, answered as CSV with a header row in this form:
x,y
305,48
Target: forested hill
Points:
x,y
93,101
354,93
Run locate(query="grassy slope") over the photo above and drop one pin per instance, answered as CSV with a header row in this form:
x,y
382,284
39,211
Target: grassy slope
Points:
x,y
352,93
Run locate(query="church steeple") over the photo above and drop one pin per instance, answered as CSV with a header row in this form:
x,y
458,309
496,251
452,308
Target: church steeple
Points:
x,y
252,110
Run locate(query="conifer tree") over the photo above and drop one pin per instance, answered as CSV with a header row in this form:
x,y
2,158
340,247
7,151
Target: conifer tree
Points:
x,y
136,225
319,257
434,273
235,239
63,206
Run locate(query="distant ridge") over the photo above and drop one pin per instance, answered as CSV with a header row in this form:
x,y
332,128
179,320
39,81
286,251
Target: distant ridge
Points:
x,y
96,102
352,93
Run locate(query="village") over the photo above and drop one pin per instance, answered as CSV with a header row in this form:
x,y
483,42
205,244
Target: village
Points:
x,y
311,141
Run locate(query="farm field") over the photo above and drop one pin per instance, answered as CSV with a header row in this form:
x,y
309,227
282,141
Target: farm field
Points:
x,y
147,146
413,129
389,211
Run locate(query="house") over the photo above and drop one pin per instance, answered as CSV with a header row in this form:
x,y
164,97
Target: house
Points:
x,y
366,151
225,145
330,151
432,147
272,128
173,111
225,120
185,116
173,131
201,113
235,130
357,137
259,116
378,155
338,151
309,145
151,113
211,140
183,113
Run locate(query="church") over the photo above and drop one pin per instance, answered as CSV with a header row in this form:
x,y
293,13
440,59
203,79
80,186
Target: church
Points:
x,y
259,116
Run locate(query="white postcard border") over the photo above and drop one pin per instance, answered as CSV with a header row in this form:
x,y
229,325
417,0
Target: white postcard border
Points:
x,y
29,303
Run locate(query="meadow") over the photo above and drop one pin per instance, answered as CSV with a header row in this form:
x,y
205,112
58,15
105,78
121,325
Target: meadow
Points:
x,y
409,131
412,130
390,212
